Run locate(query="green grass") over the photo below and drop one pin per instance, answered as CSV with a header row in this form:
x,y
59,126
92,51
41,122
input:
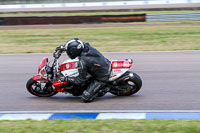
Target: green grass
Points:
x,y
101,126
90,13
105,39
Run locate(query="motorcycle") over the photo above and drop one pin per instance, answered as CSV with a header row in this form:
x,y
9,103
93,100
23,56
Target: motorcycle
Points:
x,y
46,83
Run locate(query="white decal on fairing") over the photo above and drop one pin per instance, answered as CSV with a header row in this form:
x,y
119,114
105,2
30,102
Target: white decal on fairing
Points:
x,y
70,72
116,73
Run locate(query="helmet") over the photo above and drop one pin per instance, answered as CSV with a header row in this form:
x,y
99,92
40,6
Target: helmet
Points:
x,y
74,48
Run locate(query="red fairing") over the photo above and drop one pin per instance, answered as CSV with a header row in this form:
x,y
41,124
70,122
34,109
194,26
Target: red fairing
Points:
x,y
67,66
43,64
38,78
57,85
121,64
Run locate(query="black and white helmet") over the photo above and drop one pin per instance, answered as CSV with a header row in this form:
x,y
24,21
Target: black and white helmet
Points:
x,y
74,48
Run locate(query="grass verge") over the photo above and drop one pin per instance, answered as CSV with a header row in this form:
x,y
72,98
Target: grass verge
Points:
x,y
106,39
91,13
101,126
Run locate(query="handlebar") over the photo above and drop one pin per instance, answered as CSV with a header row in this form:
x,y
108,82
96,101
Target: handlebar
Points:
x,y
58,51
60,48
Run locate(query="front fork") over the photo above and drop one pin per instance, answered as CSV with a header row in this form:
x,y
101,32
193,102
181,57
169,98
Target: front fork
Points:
x,y
39,80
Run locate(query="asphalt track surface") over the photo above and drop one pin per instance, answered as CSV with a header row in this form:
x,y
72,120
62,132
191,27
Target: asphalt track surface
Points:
x,y
171,81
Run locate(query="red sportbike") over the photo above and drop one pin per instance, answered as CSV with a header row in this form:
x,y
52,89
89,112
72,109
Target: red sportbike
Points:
x,y
46,83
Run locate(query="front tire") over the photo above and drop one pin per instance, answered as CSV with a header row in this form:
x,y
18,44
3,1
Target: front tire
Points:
x,y
36,89
130,86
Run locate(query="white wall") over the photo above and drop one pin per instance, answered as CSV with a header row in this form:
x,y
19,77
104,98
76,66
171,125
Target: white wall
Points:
x,y
89,4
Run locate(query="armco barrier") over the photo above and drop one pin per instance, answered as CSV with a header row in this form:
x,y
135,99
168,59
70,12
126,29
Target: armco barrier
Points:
x,y
46,116
173,17
72,19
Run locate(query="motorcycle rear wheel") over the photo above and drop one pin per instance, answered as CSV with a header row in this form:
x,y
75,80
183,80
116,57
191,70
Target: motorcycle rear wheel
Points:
x,y
36,89
130,87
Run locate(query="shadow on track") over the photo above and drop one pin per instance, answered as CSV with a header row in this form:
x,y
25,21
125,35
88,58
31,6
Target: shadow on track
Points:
x,y
77,99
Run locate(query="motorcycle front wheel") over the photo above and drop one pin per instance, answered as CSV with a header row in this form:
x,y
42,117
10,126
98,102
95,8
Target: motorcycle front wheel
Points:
x,y
129,86
40,88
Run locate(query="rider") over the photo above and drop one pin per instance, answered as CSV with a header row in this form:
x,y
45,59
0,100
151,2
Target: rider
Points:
x,y
90,61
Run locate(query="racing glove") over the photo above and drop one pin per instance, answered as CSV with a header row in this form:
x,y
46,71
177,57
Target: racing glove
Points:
x,y
63,79
67,79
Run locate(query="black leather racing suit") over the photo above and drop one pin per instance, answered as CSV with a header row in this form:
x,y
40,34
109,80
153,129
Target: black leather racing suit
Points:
x,y
93,62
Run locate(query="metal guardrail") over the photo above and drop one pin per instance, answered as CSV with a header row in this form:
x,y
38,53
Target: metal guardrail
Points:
x,y
172,17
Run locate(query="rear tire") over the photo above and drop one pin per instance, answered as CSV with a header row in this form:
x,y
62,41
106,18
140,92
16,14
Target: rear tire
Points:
x,y
36,89
130,86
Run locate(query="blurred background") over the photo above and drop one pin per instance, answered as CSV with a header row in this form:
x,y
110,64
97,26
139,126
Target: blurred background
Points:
x,y
110,25
5,2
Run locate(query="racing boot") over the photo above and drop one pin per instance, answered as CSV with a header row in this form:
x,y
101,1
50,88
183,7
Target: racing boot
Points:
x,y
103,91
92,91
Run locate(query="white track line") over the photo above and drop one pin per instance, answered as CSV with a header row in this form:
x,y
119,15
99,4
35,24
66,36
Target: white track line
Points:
x,y
100,111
